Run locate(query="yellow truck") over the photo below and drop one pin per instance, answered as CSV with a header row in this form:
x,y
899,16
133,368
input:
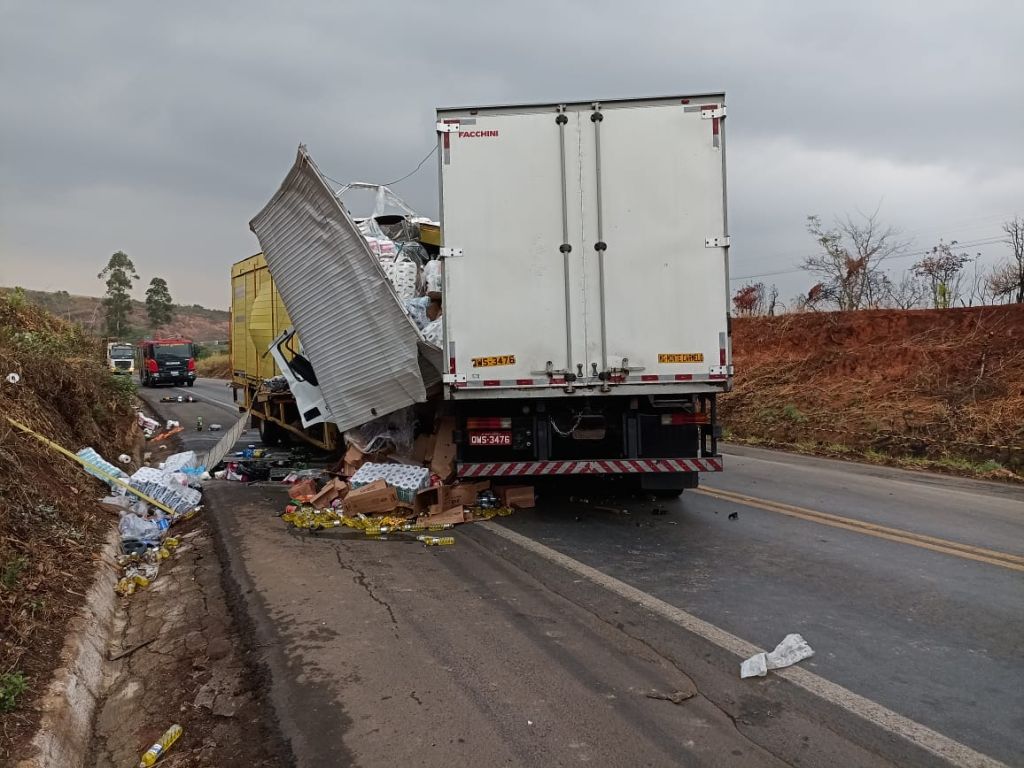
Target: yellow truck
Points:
x,y
258,317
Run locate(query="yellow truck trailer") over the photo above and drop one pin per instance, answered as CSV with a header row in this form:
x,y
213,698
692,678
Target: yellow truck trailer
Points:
x,y
258,317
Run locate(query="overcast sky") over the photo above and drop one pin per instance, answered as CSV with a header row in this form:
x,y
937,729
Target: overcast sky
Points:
x,y
161,128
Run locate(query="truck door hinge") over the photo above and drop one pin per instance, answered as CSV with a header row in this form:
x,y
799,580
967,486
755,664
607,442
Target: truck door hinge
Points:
x,y
708,114
450,253
721,241
447,127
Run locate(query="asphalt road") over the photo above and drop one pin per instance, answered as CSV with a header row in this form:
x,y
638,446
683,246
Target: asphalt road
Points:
x,y
541,650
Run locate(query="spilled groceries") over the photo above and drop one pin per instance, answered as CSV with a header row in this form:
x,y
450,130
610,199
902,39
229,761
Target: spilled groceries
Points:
x,y
393,500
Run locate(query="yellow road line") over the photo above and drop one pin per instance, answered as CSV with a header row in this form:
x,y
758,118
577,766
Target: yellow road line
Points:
x,y
966,551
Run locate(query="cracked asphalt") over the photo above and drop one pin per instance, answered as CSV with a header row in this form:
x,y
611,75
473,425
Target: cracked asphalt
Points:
x,y
377,652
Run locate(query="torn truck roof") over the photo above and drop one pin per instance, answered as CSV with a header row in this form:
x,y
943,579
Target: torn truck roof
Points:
x,y
364,349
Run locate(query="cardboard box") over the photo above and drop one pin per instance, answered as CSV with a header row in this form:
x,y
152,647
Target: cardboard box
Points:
x,y
442,463
423,449
335,489
517,496
465,493
430,500
303,489
452,516
377,498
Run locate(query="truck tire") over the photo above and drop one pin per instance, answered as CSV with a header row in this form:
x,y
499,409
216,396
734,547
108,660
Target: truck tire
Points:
x,y
190,382
272,434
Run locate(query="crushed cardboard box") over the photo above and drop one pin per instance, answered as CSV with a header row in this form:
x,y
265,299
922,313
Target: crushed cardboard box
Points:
x,y
517,496
335,489
453,516
302,489
442,463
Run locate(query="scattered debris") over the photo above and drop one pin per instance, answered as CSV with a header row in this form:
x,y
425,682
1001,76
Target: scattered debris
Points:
x,y
676,697
733,515
132,650
792,649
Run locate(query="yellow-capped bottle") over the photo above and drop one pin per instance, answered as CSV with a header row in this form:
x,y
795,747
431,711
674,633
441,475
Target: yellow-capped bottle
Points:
x,y
164,743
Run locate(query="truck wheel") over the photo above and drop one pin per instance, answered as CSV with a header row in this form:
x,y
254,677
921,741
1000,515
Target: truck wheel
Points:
x,y
191,382
271,433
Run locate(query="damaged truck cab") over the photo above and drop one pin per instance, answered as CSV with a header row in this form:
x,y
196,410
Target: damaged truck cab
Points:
x,y
582,272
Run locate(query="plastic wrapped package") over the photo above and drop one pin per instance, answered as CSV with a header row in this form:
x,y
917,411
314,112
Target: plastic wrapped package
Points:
x,y
394,431
417,310
178,462
404,276
406,479
434,332
134,527
431,276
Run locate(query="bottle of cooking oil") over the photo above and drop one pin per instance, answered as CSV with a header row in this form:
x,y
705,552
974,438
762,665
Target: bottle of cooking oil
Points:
x,y
164,743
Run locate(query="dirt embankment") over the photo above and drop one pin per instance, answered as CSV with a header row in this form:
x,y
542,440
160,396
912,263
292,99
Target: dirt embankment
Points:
x,y
214,366
942,388
50,525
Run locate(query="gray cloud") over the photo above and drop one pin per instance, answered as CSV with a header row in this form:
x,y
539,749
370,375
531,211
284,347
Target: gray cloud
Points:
x,y
162,128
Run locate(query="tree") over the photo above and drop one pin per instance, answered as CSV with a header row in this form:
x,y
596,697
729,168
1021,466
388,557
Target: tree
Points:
x,y
906,293
159,307
849,263
1002,281
749,300
1014,230
940,269
119,272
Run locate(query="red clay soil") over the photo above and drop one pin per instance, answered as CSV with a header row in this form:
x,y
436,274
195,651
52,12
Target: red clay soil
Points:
x,y
919,383
50,525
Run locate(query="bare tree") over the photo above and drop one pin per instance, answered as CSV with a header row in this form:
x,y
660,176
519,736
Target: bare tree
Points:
x,y
850,260
1002,282
1014,230
941,270
772,301
906,293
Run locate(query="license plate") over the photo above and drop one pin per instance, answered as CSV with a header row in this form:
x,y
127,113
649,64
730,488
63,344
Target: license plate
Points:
x,y
493,360
490,438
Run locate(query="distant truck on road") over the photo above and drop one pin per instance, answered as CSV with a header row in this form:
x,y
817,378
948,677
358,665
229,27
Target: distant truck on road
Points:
x,y
586,329
121,357
166,361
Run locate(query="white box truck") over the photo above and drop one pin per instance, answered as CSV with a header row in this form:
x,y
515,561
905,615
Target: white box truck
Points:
x,y
585,291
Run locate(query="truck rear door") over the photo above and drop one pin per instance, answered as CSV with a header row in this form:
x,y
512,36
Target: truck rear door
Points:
x,y
585,239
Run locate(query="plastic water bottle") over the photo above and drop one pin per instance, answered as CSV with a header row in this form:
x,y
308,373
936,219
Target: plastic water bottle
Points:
x,y
164,743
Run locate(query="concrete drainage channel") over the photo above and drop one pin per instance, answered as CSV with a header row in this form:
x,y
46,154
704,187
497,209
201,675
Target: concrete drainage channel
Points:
x,y
73,696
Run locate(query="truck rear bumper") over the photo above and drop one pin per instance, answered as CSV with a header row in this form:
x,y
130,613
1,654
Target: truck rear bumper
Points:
x,y
590,467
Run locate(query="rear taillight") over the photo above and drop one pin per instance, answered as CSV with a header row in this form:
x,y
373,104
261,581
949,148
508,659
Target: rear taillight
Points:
x,y
191,364
151,365
676,419
504,422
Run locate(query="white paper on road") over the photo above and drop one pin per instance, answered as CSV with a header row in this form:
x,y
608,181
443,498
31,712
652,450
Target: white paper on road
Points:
x,y
792,649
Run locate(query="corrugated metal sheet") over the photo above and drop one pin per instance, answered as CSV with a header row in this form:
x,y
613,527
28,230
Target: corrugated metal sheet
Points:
x,y
363,347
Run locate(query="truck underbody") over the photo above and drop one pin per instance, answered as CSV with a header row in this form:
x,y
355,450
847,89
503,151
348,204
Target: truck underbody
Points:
x,y
660,442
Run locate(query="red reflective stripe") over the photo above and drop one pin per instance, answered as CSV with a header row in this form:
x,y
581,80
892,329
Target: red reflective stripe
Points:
x,y
684,376
524,382
492,382
721,356
718,376
648,377
451,365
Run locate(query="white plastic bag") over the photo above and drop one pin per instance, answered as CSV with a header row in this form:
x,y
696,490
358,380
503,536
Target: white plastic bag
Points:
x,y
432,276
134,527
792,649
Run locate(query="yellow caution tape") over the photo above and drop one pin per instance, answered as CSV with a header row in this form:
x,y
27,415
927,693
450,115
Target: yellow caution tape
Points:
x,y
97,470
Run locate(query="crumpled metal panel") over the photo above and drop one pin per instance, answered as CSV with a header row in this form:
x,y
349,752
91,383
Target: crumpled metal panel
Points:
x,y
363,346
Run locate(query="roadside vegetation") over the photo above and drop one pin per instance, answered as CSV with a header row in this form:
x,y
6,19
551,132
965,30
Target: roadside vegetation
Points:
x,y
216,366
929,389
54,380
